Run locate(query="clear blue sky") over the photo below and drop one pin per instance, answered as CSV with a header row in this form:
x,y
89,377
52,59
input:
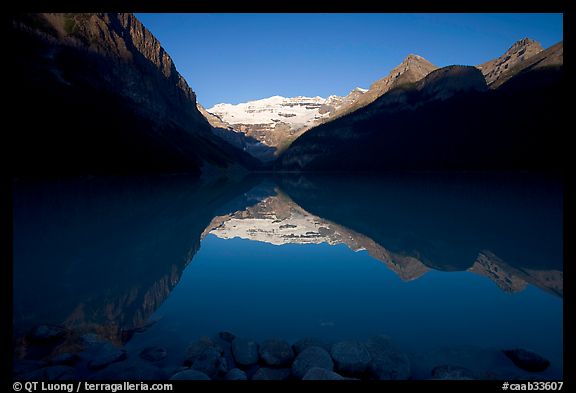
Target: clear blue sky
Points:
x,y
239,57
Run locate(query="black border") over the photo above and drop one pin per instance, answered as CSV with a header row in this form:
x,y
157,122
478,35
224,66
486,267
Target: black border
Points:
x,y
356,6
301,6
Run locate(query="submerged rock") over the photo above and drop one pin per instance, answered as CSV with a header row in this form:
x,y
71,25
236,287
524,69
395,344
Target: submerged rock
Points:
x,y
208,362
350,357
66,358
190,375
387,362
245,351
271,374
276,353
235,375
47,334
321,374
527,360
311,357
307,342
90,339
104,354
26,366
153,354
227,336
197,348
447,371
52,373
130,371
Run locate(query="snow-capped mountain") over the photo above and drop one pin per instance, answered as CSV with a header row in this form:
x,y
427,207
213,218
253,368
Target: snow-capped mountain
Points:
x,y
266,127
275,121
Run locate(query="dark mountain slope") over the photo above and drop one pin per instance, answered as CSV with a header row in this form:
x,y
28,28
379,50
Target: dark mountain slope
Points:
x,y
448,120
96,93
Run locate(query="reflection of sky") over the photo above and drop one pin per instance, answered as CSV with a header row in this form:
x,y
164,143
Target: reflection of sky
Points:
x,y
260,290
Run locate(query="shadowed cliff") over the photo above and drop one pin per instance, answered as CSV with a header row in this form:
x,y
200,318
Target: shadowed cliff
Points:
x,y
97,94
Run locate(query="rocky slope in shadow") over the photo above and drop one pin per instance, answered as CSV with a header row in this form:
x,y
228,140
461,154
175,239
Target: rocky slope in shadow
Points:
x,y
448,120
97,93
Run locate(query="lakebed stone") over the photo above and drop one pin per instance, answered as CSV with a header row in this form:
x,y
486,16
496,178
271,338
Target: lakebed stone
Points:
x,y
227,336
190,375
527,360
46,334
153,354
321,374
197,348
350,357
137,370
447,371
307,342
208,362
245,351
235,375
311,357
271,374
387,361
104,354
276,353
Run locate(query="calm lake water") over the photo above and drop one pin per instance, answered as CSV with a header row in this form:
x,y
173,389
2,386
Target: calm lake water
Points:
x,y
446,265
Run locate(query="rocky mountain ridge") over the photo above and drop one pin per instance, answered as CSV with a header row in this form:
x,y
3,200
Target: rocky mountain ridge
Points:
x,y
276,121
448,119
518,53
110,96
264,127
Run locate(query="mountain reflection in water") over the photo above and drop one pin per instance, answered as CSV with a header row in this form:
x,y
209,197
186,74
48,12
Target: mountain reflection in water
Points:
x,y
103,255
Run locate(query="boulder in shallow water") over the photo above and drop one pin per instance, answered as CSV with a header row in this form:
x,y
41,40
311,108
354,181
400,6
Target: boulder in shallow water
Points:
x,y
350,357
276,353
321,374
311,357
227,336
47,334
104,354
527,360
52,373
245,351
137,370
190,375
197,348
65,358
387,361
235,375
153,354
271,374
25,366
447,371
307,342
208,362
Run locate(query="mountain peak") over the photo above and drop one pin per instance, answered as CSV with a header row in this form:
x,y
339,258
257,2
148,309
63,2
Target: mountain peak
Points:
x,y
413,61
515,55
523,44
413,57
